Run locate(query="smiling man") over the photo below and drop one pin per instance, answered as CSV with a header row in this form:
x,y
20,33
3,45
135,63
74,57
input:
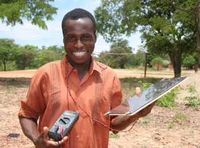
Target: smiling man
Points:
x,y
76,83
79,41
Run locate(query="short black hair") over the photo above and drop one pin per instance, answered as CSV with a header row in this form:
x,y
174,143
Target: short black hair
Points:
x,y
76,14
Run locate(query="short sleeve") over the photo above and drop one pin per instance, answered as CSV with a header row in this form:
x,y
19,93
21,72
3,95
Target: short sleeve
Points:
x,y
34,104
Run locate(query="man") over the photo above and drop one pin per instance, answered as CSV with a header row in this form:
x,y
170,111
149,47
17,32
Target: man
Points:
x,y
76,83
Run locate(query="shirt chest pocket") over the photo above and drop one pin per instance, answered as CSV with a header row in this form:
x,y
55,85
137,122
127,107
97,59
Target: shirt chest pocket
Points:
x,y
101,106
92,100
92,105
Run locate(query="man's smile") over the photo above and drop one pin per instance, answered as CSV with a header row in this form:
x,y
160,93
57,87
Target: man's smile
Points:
x,y
79,53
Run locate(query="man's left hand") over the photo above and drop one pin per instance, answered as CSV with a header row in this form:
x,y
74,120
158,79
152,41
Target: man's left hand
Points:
x,y
146,110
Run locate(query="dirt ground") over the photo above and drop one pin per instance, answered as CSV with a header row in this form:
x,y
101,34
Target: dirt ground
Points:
x,y
178,126
138,73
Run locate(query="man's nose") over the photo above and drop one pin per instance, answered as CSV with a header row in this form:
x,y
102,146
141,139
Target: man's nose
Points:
x,y
79,44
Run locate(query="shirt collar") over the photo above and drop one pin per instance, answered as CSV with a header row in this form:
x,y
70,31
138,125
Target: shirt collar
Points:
x,y
94,67
67,67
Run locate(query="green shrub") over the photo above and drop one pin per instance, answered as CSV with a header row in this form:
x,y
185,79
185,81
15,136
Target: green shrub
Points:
x,y
168,100
193,100
115,136
192,89
177,118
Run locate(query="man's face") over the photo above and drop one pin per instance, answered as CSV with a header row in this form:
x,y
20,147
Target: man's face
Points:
x,y
79,40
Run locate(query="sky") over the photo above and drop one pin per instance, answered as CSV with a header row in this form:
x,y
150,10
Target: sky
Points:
x,y
28,34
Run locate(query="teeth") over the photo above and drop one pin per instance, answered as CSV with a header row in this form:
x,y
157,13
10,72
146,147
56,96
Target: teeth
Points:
x,y
79,53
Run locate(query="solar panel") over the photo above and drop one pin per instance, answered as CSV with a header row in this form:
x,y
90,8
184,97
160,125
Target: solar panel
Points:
x,y
148,96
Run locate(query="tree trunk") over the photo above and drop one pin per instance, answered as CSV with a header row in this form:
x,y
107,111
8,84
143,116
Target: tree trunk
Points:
x,y
197,16
175,57
4,65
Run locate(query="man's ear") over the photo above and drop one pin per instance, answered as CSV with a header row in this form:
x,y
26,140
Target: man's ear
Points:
x,y
65,50
64,45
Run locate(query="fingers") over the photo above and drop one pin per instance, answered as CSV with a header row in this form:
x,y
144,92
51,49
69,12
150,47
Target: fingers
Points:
x,y
150,106
44,141
45,132
63,140
146,110
42,137
55,144
119,119
51,143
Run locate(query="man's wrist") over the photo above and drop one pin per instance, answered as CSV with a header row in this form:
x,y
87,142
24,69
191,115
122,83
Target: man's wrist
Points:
x,y
35,139
133,118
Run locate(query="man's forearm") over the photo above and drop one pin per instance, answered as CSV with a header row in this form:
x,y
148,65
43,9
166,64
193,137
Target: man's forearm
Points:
x,y
29,127
120,123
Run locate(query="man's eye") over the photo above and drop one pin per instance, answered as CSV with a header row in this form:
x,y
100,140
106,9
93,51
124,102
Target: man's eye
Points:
x,y
71,39
86,38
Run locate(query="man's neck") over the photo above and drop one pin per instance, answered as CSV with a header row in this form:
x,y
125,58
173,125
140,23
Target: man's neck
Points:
x,y
81,68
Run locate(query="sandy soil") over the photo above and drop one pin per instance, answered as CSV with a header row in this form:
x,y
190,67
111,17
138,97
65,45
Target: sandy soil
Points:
x,y
163,127
138,73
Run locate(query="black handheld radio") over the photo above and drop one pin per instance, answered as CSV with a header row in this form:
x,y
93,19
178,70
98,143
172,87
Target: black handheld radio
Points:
x,y
63,125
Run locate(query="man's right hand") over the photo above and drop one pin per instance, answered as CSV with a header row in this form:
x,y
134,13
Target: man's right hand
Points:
x,y
43,140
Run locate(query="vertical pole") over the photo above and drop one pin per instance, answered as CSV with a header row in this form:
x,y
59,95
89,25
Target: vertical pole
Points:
x,y
197,15
145,65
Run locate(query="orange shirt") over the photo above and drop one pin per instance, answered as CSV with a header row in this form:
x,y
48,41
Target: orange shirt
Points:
x,y
56,87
